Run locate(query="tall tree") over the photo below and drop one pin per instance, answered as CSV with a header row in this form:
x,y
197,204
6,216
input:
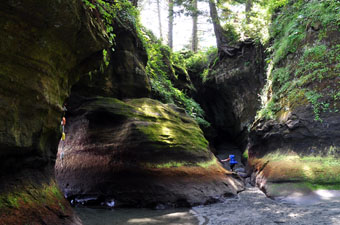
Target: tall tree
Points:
x,y
170,23
134,2
159,19
221,35
249,5
194,44
219,32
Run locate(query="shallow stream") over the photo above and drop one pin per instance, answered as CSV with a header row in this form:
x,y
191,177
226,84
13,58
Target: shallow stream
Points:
x,y
136,216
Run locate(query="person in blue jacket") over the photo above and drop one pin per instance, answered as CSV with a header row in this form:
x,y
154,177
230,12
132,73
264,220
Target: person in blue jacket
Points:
x,y
232,161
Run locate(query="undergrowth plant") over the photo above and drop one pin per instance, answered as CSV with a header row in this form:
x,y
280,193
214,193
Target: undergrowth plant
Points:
x,y
123,12
201,62
107,13
303,69
159,73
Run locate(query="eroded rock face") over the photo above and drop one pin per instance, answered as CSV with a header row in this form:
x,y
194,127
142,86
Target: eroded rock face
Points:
x,y
33,197
42,54
139,153
41,48
298,148
296,155
230,95
124,76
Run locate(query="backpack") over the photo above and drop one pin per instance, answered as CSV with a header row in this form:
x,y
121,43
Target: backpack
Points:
x,y
232,159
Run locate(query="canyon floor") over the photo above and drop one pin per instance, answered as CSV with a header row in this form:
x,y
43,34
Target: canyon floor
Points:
x,y
250,207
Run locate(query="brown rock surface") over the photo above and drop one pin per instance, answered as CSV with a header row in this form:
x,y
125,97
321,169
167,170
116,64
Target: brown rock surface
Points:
x,y
295,142
229,96
139,153
42,55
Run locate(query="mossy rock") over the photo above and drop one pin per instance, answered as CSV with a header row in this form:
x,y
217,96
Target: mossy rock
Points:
x,y
295,141
139,146
282,174
34,199
41,45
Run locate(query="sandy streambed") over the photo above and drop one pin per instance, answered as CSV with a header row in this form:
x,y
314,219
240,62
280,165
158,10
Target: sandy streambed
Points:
x,y
254,208
250,207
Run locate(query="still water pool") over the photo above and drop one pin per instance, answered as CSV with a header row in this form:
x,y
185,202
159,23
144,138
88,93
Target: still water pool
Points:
x,y
136,216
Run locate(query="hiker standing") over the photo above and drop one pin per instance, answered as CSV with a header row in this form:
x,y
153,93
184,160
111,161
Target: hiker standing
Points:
x,y
232,161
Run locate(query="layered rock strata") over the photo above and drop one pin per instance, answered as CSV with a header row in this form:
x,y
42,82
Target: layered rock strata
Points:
x,y
229,96
41,57
295,143
139,152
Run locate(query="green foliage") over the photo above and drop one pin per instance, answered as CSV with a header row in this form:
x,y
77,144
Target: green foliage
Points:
x,y
202,62
159,70
121,10
242,25
313,98
270,109
274,4
106,58
232,35
245,155
308,74
314,64
177,164
107,14
32,195
289,26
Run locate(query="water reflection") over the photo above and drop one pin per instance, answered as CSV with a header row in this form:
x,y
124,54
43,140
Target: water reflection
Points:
x,y
136,216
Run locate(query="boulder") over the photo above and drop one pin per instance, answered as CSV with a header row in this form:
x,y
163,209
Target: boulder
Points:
x,y
139,153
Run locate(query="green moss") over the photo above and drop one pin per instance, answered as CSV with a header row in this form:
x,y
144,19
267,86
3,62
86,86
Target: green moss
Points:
x,y
245,154
160,69
163,127
308,75
177,164
285,189
9,201
277,189
313,169
31,195
168,126
121,11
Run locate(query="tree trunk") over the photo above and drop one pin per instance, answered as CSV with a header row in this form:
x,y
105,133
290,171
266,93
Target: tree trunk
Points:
x,y
221,35
194,45
249,5
216,23
171,23
159,19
